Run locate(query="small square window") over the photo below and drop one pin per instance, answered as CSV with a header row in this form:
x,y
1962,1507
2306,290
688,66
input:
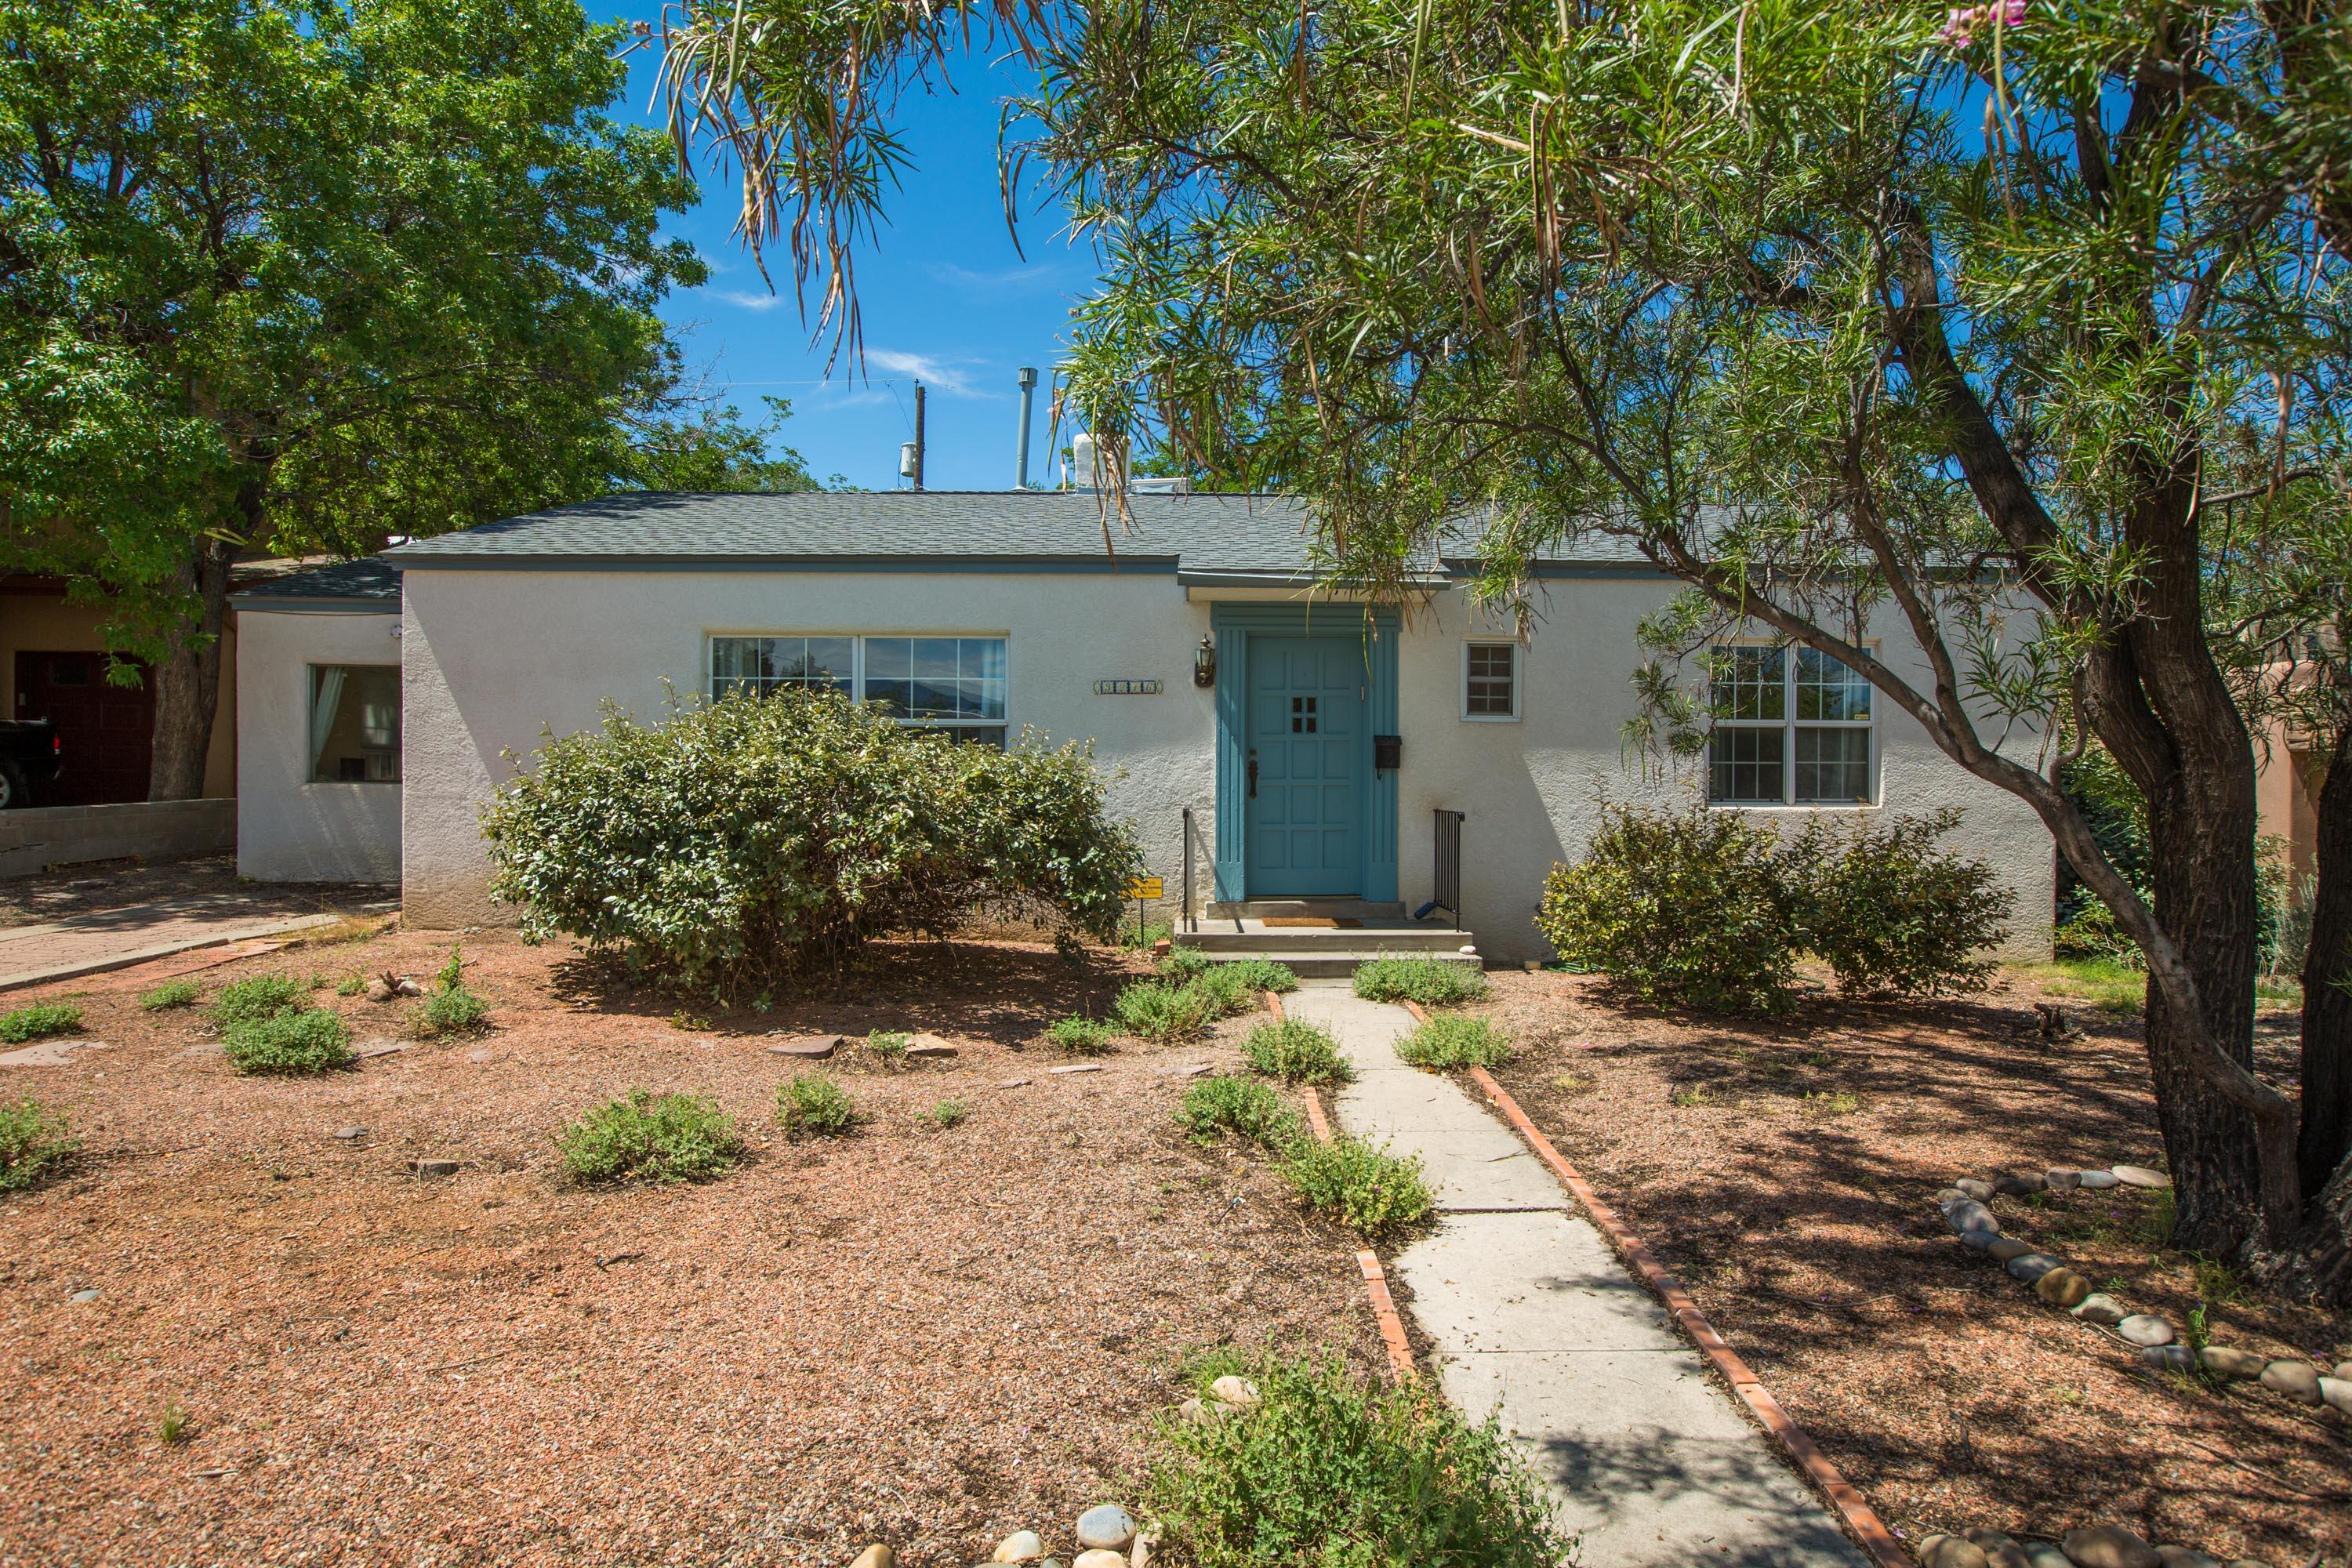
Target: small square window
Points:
x,y
354,723
1490,680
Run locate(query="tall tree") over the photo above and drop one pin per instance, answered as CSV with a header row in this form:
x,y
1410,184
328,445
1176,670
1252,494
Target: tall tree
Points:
x,y
301,274
1830,310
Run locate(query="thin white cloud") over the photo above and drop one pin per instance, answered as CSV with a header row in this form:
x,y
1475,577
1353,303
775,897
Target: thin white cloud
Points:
x,y
930,372
1005,281
743,301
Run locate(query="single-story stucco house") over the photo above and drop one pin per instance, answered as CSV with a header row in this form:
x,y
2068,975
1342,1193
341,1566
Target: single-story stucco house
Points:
x,y
1312,744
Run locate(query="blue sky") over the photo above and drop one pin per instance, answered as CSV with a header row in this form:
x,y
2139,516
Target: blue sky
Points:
x,y
946,298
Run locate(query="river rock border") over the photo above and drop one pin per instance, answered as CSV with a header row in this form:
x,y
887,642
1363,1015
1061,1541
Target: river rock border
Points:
x,y
2093,1546
1963,1207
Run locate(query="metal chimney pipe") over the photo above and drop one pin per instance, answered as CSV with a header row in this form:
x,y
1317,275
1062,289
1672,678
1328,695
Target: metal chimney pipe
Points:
x,y
918,435
1027,378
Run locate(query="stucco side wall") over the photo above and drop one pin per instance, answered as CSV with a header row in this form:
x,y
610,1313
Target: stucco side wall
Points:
x,y
287,829
494,657
1533,789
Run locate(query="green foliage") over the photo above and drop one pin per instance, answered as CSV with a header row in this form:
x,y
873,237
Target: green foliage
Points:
x,y
1432,982
452,972
297,274
173,1429
647,1137
1295,1053
1263,975
1240,1106
811,1105
1336,1470
452,1010
949,1113
1706,909
1226,986
38,1022
171,993
748,840
1360,1184
36,1143
1079,1036
350,985
1455,1042
888,1046
255,998
1685,907
1155,1010
709,447
1888,909
1182,964
289,1044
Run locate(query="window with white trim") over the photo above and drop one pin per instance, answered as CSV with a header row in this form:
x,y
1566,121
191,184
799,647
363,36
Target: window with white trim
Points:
x,y
1490,681
937,682
1790,727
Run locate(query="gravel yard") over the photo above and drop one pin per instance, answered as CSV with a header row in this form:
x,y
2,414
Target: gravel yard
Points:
x,y
919,1334
1787,1172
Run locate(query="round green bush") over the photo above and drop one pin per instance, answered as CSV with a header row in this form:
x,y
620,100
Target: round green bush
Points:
x,y
1335,1469
1687,907
1295,1053
35,1145
811,1105
647,1137
751,839
1455,1042
289,1044
1363,1186
1432,982
1241,1106
1155,1010
1889,911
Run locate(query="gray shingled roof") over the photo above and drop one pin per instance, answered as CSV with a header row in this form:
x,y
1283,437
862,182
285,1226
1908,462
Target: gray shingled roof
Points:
x,y
1211,535
369,582
1199,532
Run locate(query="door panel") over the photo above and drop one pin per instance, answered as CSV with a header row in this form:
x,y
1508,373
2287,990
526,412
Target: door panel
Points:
x,y
106,733
1307,740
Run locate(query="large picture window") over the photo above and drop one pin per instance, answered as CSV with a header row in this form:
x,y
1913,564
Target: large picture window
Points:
x,y
354,723
1792,727
944,683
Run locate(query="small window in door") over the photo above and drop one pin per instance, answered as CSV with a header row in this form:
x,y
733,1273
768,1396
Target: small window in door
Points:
x,y
1302,715
354,723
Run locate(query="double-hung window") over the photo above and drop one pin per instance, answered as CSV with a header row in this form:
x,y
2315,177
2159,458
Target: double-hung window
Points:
x,y
1790,727
354,723
1490,681
954,683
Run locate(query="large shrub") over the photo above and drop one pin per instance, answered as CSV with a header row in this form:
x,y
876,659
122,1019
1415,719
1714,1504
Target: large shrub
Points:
x,y
1709,908
754,838
1334,1469
1685,907
1888,909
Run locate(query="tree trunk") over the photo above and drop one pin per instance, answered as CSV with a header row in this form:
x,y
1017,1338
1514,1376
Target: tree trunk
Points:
x,y
187,680
2326,1136
2202,854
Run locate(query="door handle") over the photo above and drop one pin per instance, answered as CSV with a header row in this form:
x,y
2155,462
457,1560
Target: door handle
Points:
x,y
1253,778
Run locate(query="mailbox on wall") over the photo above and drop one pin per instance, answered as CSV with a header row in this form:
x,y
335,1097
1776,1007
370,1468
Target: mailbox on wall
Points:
x,y
1388,752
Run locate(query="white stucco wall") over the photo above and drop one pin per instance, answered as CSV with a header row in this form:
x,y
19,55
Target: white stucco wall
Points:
x,y
494,658
287,829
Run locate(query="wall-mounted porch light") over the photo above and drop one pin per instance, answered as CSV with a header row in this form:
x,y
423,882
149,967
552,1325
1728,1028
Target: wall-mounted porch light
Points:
x,y
1204,663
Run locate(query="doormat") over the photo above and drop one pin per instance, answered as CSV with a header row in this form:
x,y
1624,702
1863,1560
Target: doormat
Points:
x,y
1318,923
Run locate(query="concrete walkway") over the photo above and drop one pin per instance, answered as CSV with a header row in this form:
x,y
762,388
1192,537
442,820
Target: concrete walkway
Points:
x,y
1533,1317
101,939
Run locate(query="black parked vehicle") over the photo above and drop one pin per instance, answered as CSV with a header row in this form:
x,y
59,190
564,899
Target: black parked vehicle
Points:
x,y
30,753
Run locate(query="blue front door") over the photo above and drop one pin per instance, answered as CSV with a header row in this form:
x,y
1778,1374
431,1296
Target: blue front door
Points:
x,y
1307,757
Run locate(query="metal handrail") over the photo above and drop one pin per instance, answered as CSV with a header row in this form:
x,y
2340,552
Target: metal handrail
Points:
x,y
1447,893
1190,924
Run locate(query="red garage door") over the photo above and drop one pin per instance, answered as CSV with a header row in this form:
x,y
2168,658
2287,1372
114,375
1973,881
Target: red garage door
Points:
x,y
106,733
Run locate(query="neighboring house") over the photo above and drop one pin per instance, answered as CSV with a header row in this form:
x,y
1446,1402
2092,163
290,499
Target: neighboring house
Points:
x,y
1315,761
318,717
52,666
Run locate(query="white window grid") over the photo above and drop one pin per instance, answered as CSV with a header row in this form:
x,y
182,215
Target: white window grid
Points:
x,y
1479,681
825,668
1767,693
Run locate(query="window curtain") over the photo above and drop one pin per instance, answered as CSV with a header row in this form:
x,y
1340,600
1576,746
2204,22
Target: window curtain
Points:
x,y
326,696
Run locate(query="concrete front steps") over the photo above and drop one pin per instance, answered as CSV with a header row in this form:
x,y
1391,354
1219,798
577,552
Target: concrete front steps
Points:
x,y
1380,931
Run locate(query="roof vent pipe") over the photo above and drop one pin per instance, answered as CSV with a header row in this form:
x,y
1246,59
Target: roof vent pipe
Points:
x,y
1027,380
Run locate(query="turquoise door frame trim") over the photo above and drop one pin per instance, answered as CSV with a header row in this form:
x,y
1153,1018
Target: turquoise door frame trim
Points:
x,y
1232,625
